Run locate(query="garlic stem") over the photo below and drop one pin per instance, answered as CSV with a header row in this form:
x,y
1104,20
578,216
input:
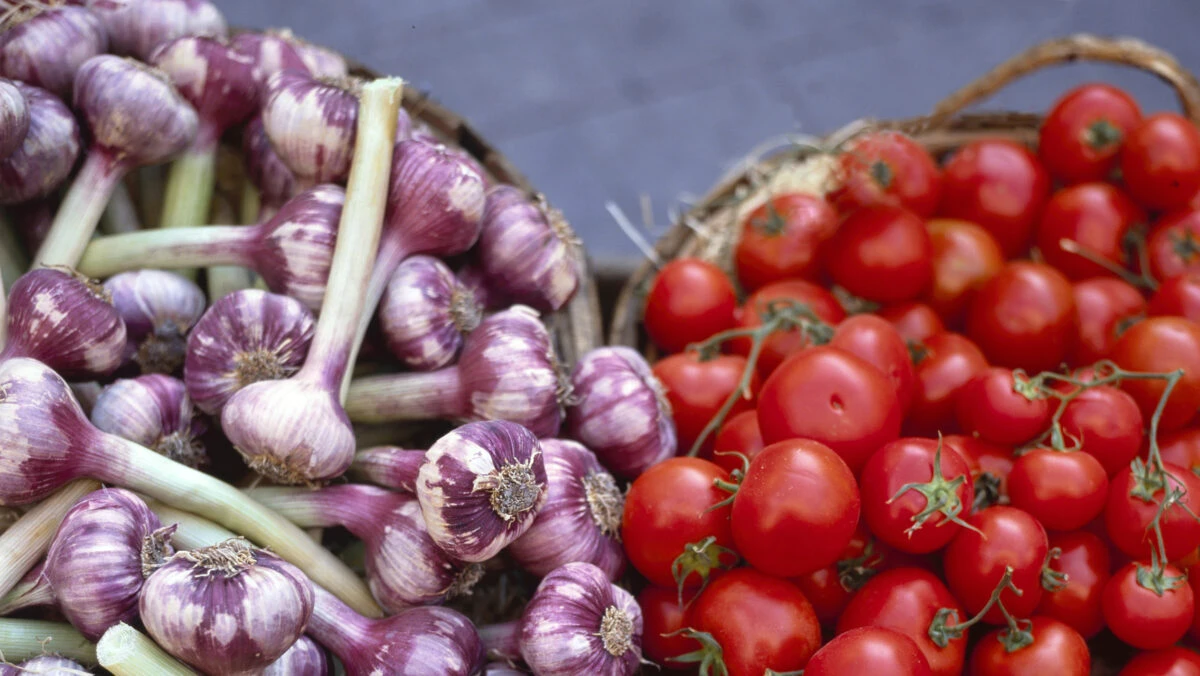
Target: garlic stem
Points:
x,y
13,261
26,541
80,210
391,254
388,466
22,639
251,206
358,234
140,469
33,590
189,191
169,249
305,508
223,280
150,194
191,532
3,309
125,651
121,213
405,396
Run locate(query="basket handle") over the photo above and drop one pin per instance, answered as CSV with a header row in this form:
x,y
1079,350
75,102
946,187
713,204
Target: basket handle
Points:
x,y
1126,51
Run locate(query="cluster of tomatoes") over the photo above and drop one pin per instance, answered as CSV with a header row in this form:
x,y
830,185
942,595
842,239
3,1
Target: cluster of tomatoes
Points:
x,y
944,421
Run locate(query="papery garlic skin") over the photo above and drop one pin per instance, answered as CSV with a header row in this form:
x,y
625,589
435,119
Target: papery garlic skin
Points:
x,y
481,487
311,125
296,250
217,80
304,658
14,118
619,411
581,519
137,27
65,321
99,558
246,337
579,623
45,665
159,309
272,51
425,312
45,154
44,45
527,250
322,61
228,609
270,174
154,411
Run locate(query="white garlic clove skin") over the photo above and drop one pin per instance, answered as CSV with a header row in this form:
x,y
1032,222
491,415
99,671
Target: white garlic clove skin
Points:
x,y
425,312
246,337
46,665
136,27
43,44
295,250
435,201
65,321
154,411
618,410
14,118
226,609
159,309
312,125
304,658
216,79
481,487
46,152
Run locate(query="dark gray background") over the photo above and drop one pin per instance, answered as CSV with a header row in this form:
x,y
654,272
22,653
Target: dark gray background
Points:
x,y
613,99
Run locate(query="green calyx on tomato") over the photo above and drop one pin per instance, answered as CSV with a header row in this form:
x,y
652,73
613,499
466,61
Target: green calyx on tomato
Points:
x,y
710,657
1185,245
772,224
701,559
945,626
882,173
1155,578
941,496
987,491
1103,134
1053,580
854,573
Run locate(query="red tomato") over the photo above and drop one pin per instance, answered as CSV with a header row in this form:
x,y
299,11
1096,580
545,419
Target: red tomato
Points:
x,y
990,466
907,600
965,256
1001,186
1181,448
1177,296
831,396
869,650
1104,308
916,322
1107,424
887,168
1160,162
783,344
1142,617
739,434
881,254
950,361
1094,217
666,509
830,588
897,516
1085,562
661,615
689,300
1161,345
697,389
1173,246
1056,649
1024,317
1193,572
781,238
1062,489
739,604
781,535
880,345
990,407
1127,517
1081,136
975,561
1172,661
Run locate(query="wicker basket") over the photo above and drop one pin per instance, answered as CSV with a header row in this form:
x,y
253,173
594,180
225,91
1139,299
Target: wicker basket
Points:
x,y
711,228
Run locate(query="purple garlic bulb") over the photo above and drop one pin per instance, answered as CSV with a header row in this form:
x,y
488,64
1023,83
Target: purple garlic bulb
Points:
x,y
137,27
246,337
424,640
581,520
273,51
159,309
154,411
14,118
214,77
487,296
99,559
527,250
275,181
312,125
425,312
620,412
322,61
405,567
45,154
43,44
580,623
227,609
44,665
65,321
304,658
481,487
